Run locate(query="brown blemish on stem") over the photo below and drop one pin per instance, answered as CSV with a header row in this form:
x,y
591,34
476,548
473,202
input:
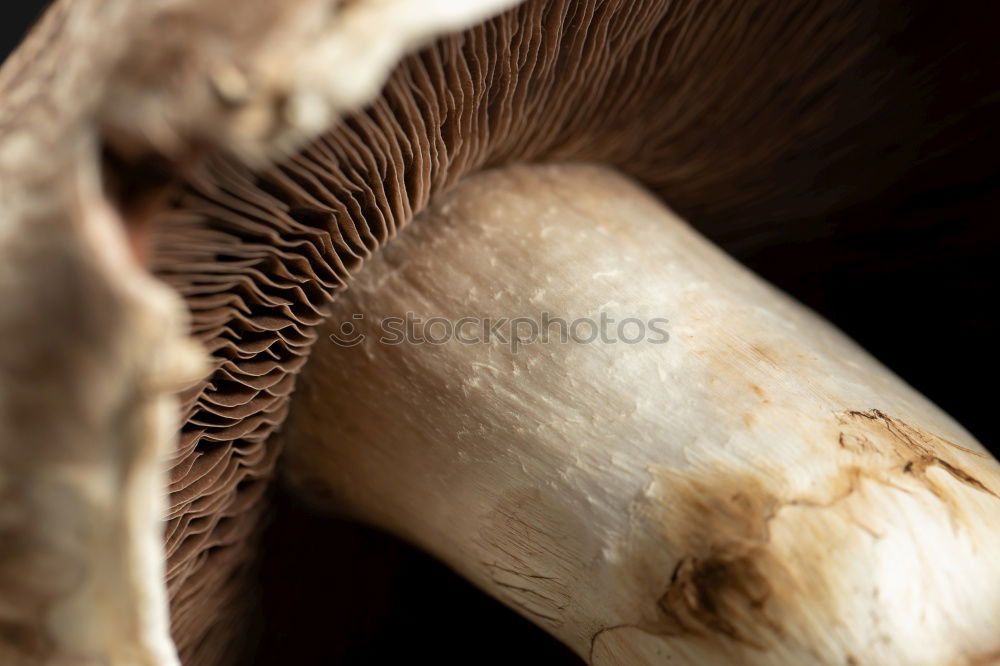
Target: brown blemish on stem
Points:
x,y
701,589
917,449
913,438
721,588
733,582
765,354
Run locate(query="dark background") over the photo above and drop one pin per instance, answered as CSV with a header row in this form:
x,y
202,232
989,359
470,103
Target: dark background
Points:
x,y
909,274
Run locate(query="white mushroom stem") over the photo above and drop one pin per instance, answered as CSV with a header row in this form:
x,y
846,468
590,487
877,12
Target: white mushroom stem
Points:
x,y
757,490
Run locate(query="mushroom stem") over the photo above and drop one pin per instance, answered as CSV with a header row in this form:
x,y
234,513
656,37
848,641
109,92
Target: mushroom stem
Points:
x,y
692,467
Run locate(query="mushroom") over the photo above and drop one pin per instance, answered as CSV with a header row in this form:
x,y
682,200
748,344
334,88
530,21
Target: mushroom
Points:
x,y
214,180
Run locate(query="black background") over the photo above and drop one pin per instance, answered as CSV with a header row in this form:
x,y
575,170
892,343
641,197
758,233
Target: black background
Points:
x,y
909,274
